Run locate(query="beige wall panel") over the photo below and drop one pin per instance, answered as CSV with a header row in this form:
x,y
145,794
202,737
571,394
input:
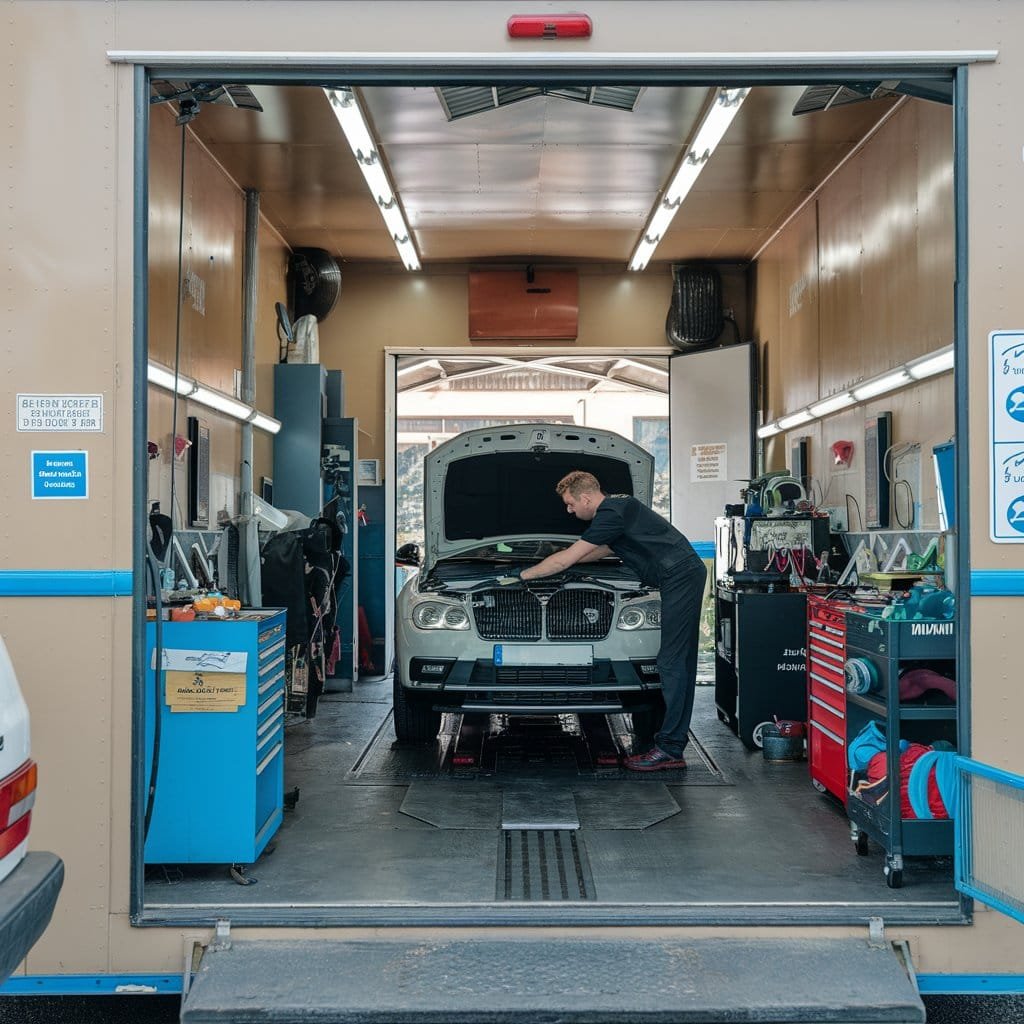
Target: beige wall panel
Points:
x,y
844,349
997,699
75,284
67,684
431,309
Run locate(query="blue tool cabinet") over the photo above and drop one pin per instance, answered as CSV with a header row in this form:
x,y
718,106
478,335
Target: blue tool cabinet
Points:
x,y
220,780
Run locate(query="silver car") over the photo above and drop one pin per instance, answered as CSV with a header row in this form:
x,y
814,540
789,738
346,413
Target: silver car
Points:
x,y
585,641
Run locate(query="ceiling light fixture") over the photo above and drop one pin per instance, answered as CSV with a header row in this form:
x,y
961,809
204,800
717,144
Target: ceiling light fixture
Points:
x,y
940,361
164,377
712,128
357,133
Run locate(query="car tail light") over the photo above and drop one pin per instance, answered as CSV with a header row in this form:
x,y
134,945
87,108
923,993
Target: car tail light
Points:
x,y
17,795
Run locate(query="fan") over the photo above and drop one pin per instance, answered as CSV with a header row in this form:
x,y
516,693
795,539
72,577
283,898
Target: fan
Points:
x,y
188,96
823,97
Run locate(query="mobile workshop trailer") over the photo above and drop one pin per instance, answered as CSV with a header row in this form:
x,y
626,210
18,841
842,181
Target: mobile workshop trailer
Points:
x,y
871,244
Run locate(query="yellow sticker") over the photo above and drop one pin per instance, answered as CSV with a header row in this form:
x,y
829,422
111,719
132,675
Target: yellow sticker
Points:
x,y
205,691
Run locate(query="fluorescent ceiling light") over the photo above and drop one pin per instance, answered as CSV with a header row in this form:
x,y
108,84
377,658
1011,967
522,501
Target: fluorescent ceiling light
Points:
x,y
769,430
261,421
831,404
367,153
937,362
881,385
221,402
710,131
163,377
795,419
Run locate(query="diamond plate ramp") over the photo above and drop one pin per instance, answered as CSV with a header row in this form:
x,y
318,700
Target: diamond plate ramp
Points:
x,y
565,980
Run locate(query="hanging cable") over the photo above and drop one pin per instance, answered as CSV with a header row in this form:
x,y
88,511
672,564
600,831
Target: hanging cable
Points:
x,y
151,561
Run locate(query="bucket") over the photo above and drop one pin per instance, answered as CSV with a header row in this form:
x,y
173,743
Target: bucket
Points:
x,y
783,741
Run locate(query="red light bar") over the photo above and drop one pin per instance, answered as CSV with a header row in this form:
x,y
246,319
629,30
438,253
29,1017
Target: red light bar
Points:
x,y
549,26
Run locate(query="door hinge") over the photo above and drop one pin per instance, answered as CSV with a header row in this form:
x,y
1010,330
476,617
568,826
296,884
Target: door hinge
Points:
x,y
221,936
876,933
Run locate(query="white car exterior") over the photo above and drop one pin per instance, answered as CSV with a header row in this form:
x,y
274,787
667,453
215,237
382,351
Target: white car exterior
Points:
x,y
583,641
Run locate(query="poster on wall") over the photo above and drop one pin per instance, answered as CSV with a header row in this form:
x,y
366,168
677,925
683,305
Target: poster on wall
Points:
x,y
1006,436
708,462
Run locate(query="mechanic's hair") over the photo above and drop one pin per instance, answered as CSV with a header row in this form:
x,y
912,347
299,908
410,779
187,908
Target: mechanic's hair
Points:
x,y
577,482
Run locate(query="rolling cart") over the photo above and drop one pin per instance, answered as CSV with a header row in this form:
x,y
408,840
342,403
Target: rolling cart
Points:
x,y
886,648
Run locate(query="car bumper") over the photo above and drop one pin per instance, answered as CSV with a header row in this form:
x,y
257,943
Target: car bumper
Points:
x,y
605,687
27,898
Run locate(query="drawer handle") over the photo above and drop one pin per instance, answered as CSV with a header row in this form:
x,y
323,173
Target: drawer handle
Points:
x,y
270,682
270,652
826,732
268,724
828,683
269,701
277,663
831,641
834,655
828,707
270,757
266,739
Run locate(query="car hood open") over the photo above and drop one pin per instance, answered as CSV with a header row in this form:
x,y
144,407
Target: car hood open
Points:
x,y
498,484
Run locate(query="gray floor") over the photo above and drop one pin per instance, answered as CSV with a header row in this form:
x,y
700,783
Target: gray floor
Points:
x,y
742,832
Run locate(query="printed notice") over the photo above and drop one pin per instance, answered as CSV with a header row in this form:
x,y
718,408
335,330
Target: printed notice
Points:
x,y
60,475
60,413
707,462
1006,436
204,691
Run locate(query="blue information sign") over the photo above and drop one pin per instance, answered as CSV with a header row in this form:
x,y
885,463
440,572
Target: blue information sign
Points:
x,y
60,474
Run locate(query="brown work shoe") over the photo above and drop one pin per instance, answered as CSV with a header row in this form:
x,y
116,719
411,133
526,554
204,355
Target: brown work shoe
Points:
x,y
654,760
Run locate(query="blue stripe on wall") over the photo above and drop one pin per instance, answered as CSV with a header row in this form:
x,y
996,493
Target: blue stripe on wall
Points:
x,y
704,548
970,984
65,583
997,583
90,984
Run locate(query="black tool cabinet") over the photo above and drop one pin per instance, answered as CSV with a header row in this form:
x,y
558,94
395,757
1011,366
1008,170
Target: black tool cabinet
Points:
x,y
894,646
760,660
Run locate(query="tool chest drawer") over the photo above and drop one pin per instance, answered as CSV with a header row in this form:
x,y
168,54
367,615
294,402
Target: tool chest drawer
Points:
x,y
219,794
826,693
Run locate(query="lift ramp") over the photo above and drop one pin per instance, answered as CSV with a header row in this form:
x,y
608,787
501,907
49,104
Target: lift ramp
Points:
x,y
552,981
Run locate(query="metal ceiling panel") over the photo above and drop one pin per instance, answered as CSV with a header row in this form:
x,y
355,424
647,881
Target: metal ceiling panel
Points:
x,y
542,178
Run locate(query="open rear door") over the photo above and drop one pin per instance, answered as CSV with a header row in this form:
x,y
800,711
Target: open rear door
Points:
x,y
989,837
711,405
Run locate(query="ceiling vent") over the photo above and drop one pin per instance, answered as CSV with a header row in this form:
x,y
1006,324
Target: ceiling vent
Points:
x,y
824,97
464,100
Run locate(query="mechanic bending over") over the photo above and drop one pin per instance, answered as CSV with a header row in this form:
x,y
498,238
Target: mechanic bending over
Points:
x,y
662,557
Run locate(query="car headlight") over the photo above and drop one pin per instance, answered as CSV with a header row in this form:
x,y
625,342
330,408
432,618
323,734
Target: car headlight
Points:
x,y
640,615
439,615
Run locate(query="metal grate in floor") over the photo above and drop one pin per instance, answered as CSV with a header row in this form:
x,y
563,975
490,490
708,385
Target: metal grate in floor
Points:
x,y
543,865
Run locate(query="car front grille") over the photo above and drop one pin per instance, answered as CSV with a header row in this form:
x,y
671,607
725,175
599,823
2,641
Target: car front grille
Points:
x,y
514,613
507,613
580,615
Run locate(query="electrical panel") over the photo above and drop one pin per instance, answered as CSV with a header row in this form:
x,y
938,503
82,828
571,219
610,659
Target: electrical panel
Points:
x,y
198,473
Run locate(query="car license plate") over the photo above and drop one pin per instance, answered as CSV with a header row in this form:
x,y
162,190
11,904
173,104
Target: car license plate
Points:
x,y
554,654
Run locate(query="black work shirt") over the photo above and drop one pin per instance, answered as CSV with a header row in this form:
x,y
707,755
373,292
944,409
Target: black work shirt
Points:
x,y
647,543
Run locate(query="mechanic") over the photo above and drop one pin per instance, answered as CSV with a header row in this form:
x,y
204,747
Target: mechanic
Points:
x,y
662,557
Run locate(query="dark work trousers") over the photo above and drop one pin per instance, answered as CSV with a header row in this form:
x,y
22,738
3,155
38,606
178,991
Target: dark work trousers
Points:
x,y
682,590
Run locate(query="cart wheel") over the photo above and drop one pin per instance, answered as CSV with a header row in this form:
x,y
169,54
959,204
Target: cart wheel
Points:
x,y
819,786
291,798
861,844
893,876
758,734
237,872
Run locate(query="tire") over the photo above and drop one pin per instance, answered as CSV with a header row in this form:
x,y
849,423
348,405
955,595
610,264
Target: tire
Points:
x,y
861,844
415,720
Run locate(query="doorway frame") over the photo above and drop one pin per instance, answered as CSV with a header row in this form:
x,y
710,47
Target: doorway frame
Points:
x,y
500,68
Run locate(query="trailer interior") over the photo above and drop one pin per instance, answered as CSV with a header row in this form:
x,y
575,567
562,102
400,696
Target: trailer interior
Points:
x,y
828,211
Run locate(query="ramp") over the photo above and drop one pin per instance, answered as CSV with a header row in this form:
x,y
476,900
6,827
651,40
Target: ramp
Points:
x,y
552,981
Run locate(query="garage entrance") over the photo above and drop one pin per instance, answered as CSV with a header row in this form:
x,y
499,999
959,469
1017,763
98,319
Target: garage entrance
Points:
x,y
463,829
